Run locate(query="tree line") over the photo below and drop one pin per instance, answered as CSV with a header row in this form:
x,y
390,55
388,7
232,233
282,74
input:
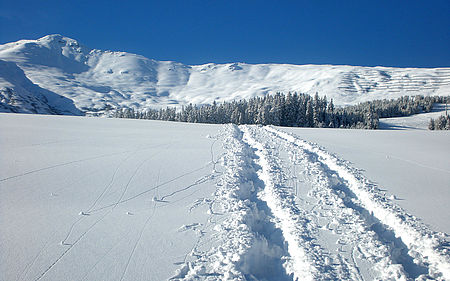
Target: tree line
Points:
x,y
291,110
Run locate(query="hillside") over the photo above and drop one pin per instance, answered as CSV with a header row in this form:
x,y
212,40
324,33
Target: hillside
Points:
x,y
58,75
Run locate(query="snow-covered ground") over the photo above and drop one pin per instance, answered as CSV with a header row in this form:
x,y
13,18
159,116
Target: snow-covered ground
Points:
x,y
114,199
414,122
101,199
56,74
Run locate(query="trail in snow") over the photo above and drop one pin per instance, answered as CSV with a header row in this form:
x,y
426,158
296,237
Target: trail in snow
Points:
x,y
334,225
306,261
250,247
421,252
138,240
322,219
151,189
99,197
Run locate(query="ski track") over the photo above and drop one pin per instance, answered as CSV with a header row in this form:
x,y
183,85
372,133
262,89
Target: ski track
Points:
x,y
105,254
30,264
152,188
62,164
137,242
74,162
288,205
63,242
306,260
82,235
197,182
107,187
143,228
70,246
426,249
331,221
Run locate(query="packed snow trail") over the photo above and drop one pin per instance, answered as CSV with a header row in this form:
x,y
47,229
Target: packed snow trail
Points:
x,y
332,224
306,261
428,256
249,245
307,224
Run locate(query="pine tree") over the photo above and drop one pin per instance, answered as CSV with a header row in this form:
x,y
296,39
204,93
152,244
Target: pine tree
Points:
x,y
441,123
431,124
309,115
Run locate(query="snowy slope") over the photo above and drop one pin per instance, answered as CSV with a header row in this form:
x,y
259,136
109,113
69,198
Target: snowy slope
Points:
x,y
414,122
114,199
19,94
96,80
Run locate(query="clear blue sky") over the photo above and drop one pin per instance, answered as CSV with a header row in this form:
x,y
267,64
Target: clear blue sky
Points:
x,y
390,33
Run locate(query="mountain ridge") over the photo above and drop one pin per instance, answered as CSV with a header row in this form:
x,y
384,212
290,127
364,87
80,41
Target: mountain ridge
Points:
x,y
92,81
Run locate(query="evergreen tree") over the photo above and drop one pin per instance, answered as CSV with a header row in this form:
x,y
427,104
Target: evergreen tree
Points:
x,y
441,123
431,125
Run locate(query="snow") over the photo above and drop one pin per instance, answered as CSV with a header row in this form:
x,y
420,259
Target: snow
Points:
x,y
414,122
114,199
95,80
54,168
412,165
423,245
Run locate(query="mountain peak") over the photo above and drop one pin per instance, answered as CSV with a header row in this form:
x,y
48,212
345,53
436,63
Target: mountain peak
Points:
x,y
58,41
51,37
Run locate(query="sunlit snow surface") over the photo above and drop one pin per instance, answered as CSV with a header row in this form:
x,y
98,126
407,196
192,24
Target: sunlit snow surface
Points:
x,y
416,121
114,199
137,182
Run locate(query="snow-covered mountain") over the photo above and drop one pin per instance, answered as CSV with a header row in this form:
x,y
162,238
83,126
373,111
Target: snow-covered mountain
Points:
x,y
56,74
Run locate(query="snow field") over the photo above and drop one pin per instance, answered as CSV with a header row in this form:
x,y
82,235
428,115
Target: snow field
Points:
x,y
413,122
102,199
114,199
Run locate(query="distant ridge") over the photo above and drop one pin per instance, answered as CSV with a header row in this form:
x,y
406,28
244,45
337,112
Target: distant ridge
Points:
x,y
58,75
